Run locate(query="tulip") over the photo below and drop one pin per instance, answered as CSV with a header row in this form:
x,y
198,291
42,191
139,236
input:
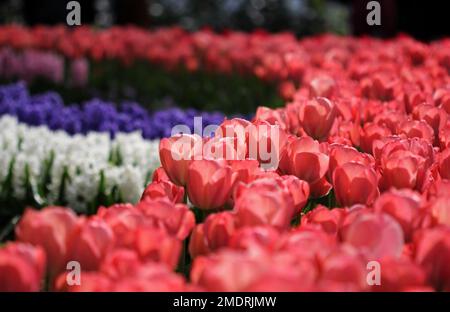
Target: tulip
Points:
x,y
340,154
160,175
164,189
308,243
440,210
227,270
245,170
123,219
370,133
355,183
272,116
432,252
298,189
417,129
197,242
344,266
444,138
89,243
255,237
375,235
178,219
265,143
317,117
403,170
329,220
263,202
49,228
218,229
322,86
304,159
22,267
444,164
400,275
403,206
435,117
120,263
209,183
176,153
155,244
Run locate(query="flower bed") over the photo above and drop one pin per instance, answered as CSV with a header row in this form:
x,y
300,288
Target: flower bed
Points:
x,y
96,115
345,188
42,167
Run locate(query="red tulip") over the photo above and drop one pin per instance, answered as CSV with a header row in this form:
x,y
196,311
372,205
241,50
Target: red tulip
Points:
x,y
123,219
417,129
440,210
370,133
263,202
298,189
355,183
197,242
375,235
22,267
400,275
444,164
403,170
89,243
227,270
49,228
317,117
209,183
344,266
432,252
255,237
155,244
340,154
435,117
265,143
245,170
322,86
329,219
176,153
304,158
178,219
403,206
160,175
218,229
164,189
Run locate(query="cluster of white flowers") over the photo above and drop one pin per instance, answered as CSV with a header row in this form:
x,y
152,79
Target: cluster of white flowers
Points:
x,y
74,164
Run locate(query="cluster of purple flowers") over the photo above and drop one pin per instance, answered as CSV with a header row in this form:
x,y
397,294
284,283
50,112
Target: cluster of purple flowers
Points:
x,y
95,115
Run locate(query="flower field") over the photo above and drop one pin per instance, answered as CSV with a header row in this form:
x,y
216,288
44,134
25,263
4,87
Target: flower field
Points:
x,y
327,169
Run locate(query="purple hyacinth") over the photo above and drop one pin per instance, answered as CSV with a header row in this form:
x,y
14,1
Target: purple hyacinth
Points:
x,y
96,115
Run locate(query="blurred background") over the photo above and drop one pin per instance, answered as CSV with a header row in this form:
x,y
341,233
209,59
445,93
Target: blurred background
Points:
x,y
422,20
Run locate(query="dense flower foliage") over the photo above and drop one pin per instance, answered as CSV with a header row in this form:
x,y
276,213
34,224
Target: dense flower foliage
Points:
x,y
353,171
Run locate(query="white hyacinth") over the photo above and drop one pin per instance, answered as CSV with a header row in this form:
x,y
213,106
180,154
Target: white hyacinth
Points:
x,y
126,162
